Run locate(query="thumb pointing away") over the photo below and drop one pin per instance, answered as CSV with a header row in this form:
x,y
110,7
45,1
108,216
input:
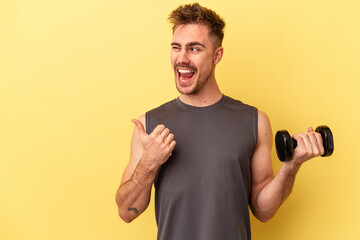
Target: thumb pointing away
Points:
x,y
139,126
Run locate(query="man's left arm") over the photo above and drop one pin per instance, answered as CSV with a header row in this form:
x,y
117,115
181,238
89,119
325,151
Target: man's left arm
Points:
x,y
269,192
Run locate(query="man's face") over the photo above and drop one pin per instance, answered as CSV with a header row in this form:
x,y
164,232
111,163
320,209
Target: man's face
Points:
x,y
192,57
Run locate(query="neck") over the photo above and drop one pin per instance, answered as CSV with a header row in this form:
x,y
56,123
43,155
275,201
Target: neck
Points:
x,y
208,95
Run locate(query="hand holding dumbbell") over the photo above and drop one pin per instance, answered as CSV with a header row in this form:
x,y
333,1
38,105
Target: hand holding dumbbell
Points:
x,y
285,144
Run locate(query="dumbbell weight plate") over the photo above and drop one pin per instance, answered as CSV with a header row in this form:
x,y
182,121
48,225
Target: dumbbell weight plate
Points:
x,y
328,139
284,145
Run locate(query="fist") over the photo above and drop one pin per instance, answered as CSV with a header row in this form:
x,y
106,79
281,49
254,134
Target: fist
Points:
x,y
309,145
157,146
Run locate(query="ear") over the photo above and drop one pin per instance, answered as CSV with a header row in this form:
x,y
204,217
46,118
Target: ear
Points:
x,y
218,55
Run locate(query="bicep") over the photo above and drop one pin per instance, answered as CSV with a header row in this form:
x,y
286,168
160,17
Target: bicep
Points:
x,y
261,165
135,152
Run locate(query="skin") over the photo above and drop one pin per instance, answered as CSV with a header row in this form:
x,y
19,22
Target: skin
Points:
x,y
192,46
193,49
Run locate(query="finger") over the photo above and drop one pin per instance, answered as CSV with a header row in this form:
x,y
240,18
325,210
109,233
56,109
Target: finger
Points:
x,y
164,134
303,143
314,143
301,140
158,130
139,126
307,142
169,139
172,145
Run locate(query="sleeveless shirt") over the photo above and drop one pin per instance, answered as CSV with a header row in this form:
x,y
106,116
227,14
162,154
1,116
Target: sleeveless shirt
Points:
x,y
203,190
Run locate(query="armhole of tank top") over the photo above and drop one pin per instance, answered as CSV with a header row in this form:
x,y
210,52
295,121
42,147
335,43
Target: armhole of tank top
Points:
x,y
256,116
147,122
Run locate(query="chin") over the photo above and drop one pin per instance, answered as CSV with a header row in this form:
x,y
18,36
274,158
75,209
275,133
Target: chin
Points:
x,y
186,90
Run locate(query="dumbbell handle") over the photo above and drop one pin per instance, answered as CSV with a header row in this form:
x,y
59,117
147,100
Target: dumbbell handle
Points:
x,y
294,143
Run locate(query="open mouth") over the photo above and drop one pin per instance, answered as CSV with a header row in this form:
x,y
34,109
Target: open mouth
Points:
x,y
185,75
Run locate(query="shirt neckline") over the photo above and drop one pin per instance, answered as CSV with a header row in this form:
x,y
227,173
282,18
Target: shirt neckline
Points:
x,y
199,109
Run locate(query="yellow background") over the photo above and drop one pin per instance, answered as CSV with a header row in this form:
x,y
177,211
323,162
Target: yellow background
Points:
x,y
74,72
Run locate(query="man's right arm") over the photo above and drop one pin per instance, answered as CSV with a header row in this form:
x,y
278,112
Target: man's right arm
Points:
x,y
148,153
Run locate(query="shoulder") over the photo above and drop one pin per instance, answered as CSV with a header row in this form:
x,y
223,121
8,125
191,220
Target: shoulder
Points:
x,y
235,104
163,107
264,128
159,115
262,117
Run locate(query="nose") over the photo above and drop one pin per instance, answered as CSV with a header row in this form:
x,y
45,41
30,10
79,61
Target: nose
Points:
x,y
183,57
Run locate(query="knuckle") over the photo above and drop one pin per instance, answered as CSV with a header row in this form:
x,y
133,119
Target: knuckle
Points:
x,y
322,150
296,136
317,134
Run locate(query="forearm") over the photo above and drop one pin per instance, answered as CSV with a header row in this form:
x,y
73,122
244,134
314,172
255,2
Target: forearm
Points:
x,y
133,196
275,192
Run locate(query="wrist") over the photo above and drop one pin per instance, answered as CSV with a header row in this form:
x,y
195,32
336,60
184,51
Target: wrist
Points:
x,y
292,167
147,167
143,177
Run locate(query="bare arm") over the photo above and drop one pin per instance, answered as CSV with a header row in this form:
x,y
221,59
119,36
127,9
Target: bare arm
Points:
x,y
148,153
269,192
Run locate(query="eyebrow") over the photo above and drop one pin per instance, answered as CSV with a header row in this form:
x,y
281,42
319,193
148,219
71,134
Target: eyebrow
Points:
x,y
190,44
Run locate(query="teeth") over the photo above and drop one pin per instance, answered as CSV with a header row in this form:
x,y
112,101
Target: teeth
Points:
x,y
184,71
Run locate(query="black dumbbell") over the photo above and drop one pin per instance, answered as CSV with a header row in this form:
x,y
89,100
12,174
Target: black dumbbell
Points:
x,y
285,144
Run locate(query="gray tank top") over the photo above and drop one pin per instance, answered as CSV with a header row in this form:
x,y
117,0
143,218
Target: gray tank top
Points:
x,y
203,190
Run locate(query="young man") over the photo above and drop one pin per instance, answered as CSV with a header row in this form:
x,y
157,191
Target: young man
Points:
x,y
207,154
